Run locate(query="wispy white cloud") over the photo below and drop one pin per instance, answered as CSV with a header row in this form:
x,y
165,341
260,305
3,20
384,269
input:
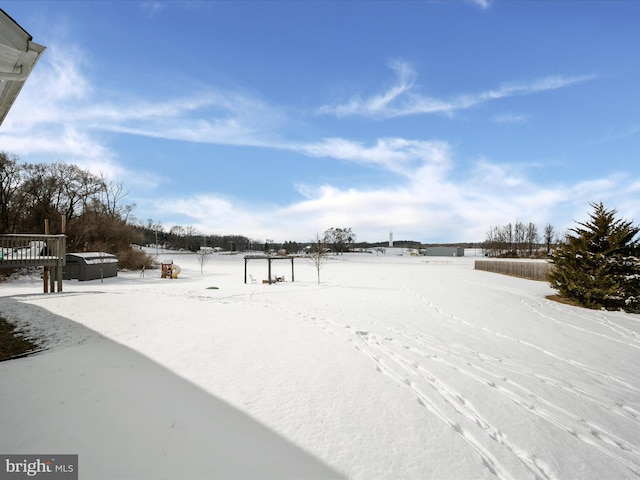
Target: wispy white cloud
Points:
x,y
426,209
402,99
377,103
397,155
611,136
491,173
57,117
152,8
483,4
512,118
57,81
633,187
422,192
428,199
208,116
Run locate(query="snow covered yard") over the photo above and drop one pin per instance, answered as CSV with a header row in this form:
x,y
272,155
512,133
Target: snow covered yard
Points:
x,y
393,367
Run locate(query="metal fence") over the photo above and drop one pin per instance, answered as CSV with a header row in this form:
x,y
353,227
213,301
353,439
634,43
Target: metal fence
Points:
x,y
523,269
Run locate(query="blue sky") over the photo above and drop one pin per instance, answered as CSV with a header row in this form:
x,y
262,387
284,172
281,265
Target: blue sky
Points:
x,y
433,119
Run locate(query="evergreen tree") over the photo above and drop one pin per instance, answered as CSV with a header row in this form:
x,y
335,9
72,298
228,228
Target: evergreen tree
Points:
x,y
597,264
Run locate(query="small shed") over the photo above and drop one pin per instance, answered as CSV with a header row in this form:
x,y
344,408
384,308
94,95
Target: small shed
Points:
x,y
90,266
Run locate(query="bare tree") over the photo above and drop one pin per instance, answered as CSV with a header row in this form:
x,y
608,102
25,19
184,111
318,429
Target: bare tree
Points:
x,y
203,259
112,195
156,228
532,238
549,236
512,240
103,258
492,243
40,191
318,254
76,188
507,237
519,236
11,178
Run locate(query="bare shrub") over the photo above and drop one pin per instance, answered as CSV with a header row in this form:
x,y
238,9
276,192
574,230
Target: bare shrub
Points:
x,y
134,259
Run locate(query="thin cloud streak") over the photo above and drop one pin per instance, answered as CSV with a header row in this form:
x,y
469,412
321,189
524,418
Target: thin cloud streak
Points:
x,y
401,99
152,8
483,4
511,118
621,135
370,107
397,155
58,98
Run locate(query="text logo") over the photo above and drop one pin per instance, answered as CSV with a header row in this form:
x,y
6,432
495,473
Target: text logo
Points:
x,y
46,467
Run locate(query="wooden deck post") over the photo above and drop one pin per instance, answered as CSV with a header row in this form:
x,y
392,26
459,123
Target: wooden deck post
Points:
x,y
45,269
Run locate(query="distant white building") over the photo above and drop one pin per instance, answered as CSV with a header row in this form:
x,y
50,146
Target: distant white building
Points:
x,y
443,251
210,249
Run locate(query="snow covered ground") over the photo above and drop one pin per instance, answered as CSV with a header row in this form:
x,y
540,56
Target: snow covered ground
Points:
x,y
393,367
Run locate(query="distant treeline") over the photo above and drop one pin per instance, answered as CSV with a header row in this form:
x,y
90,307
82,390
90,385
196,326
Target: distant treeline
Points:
x,y
416,245
189,239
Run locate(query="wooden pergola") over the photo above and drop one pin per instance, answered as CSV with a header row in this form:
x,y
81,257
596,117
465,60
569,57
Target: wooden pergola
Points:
x,y
269,259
